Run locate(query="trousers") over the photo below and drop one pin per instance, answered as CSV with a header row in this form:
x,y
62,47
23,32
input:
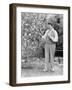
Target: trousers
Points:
x,y
49,54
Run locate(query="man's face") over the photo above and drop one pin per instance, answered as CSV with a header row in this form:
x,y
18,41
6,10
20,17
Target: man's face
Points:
x,y
49,27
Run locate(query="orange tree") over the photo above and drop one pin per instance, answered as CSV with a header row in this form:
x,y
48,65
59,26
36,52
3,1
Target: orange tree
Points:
x,y
33,26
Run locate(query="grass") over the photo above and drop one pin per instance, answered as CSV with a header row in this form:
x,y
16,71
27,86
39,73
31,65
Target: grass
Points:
x,y
34,67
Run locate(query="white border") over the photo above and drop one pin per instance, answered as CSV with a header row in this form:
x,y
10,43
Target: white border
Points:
x,y
63,77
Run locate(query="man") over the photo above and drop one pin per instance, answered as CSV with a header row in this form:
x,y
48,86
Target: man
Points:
x,y
50,37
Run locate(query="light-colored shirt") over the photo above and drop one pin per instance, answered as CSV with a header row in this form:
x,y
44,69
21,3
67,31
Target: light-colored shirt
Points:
x,y
50,36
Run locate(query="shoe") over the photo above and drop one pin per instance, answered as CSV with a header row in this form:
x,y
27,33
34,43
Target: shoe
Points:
x,y
52,69
45,70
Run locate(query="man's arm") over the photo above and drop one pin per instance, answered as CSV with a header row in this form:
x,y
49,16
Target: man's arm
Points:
x,y
54,36
45,35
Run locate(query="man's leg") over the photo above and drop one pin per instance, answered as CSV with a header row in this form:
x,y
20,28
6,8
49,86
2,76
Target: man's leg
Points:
x,y
52,52
46,57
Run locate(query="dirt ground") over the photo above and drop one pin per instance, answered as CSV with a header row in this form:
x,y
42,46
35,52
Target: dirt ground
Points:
x,y
34,67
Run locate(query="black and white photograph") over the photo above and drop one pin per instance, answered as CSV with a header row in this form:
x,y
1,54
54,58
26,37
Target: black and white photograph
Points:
x,y
41,44
41,41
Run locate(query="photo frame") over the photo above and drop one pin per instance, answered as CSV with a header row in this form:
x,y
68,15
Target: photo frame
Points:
x,y
28,50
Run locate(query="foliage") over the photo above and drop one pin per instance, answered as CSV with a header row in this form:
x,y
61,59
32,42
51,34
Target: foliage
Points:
x,y
33,25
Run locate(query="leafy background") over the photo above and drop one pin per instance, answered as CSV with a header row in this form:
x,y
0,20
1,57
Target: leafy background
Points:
x,y
32,26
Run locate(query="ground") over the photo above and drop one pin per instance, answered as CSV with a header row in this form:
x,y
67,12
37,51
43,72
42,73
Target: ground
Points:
x,y
34,67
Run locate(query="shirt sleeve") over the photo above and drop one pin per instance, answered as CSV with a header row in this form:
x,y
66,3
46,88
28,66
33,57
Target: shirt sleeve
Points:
x,y
55,39
45,35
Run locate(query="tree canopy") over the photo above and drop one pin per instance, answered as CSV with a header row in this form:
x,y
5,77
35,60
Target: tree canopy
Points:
x,y
33,25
